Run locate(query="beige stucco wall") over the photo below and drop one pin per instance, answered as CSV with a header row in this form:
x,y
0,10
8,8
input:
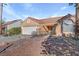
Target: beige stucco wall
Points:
x,y
29,22
16,24
58,30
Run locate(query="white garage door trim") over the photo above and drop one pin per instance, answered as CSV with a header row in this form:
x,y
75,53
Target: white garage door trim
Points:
x,y
28,30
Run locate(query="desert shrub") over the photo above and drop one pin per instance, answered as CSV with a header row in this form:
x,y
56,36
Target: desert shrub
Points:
x,y
34,33
14,31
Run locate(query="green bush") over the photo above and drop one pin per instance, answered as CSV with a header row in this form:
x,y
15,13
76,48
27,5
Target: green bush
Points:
x,y
14,31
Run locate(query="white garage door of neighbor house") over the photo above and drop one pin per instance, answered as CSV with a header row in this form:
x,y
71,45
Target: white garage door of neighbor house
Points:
x,y
28,30
68,26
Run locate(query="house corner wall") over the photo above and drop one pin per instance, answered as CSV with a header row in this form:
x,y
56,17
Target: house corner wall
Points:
x,y
58,30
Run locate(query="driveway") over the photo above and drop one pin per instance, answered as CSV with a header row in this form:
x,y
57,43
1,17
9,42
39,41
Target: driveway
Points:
x,y
25,47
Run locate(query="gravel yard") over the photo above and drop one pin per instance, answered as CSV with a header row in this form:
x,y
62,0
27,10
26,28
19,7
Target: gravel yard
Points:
x,y
12,38
60,46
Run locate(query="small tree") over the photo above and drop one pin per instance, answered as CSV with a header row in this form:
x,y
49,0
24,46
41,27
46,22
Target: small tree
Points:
x,y
77,19
14,31
2,22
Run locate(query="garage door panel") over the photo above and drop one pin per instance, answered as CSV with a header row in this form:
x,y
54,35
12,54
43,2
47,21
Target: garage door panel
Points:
x,y
28,30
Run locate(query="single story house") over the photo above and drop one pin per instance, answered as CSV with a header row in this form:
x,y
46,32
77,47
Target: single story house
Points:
x,y
30,25
56,25
10,24
65,25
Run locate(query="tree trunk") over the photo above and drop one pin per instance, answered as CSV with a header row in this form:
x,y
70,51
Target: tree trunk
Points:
x,y
77,20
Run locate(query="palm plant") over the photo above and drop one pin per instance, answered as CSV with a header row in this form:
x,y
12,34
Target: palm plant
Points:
x,y
76,5
1,12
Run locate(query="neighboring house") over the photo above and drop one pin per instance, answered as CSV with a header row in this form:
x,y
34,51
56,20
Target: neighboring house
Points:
x,y
56,25
65,25
11,24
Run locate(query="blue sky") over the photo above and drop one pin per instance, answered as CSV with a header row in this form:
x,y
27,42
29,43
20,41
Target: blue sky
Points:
x,y
14,11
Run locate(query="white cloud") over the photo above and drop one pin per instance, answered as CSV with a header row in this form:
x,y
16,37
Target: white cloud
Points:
x,y
63,8
58,13
28,6
54,15
24,17
10,12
